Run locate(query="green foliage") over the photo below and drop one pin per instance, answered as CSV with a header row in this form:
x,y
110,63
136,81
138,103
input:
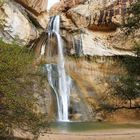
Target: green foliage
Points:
x,y
123,88
2,2
128,88
17,103
133,19
132,64
137,48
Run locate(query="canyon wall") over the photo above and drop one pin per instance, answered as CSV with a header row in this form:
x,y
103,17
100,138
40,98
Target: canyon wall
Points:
x,y
89,28
97,21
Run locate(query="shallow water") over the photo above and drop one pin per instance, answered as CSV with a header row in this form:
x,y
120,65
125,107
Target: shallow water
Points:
x,y
89,126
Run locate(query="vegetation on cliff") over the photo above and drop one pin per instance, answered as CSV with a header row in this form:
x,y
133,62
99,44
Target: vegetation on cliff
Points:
x,y
17,102
127,87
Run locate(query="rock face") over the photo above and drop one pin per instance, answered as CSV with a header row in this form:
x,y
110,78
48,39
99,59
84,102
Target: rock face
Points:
x,y
65,5
80,20
85,42
15,24
90,27
97,22
92,80
95,44
36,6
37,10
97,15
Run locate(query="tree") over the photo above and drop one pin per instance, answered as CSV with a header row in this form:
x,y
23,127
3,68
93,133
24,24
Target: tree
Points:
x,y
17,103
133,19
128,89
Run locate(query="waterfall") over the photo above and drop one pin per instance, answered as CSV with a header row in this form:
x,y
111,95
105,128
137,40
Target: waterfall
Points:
x,y
77,44
62,90
61,83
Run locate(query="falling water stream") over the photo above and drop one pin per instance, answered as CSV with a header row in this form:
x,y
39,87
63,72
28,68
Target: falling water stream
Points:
x,y
62,88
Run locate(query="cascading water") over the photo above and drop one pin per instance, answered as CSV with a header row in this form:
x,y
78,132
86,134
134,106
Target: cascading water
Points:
x,y
77,44
62,90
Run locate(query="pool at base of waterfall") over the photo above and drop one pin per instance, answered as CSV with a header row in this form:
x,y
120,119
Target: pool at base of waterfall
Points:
x,y
90,126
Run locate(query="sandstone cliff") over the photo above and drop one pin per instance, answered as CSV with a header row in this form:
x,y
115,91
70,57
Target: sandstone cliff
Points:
x,y
89,28
94,20
101,22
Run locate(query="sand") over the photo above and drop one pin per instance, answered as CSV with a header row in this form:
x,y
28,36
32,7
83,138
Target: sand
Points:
x,y
119,134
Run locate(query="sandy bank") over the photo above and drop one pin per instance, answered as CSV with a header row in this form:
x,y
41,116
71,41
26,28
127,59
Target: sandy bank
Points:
x,y
119,134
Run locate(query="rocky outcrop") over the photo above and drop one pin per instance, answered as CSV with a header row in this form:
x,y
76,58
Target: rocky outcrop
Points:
x,y
97,16
79,20
71,3
15,24
85,42
97,24
35,6
37,10
97,44
64,6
